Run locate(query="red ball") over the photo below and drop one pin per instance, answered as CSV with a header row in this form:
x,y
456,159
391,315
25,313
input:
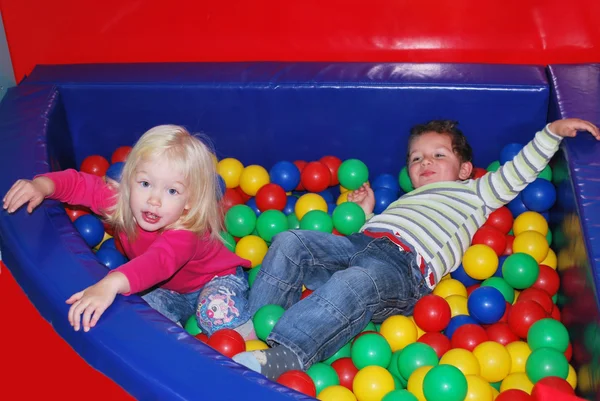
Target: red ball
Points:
x,y
300,164
501,333
509,245
315,177
271,196
228,342
245,197
230,199
76,211
299,381
514,395
306,293
202,337
333,164
547,280
569,352
119,245
522,315
551,382
336,232
504,318
492,237
572,282
469,336
539,296
472,288
346,371
95,164
120,155
501,219
439,342
478,172
432,313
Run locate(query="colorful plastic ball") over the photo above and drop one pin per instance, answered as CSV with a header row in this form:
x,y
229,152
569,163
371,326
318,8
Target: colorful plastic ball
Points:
x,y
509,152
415,382
285,174
458,305
114,171
111,258
227,341
228,240
202,337
519,351
252,274
510,239
230,170
404,180
494,360
252,248
383,198
346,371
514,395
387,181
315,177
120,154
333,164
516,206
75,212
253,177
309,202
336,393
544,362
271,196
456,322
399,331
372,383
445,383
462,359
323,376
317,220
399,395
240,220
265,319
548,333
191,326
254,345
342,198
371,349
293,222
523,315
231,198
299,381
348,218
439,342
501,285
95,164
492,237
90,228
553,382
251,203
520,270
271,223
461,275
517,381
478,172
539,196
480,261
531,243
448,287
486,305
530,221
493,166
432,313
548,280
415,355
478,389
501,333
468,336
501,219
290,204
352,173
327,195
539,296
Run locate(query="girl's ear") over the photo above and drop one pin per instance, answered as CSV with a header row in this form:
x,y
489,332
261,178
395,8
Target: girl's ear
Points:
x,y
466,169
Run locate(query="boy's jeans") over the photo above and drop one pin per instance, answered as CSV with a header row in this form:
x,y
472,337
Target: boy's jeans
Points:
x,y
355,279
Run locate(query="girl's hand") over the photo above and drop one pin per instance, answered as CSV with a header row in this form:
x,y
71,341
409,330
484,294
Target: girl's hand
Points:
x,y
27,191
363,197
570,126
94,300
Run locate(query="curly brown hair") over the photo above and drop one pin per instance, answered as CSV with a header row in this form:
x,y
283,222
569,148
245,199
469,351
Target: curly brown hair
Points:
x,y
460,146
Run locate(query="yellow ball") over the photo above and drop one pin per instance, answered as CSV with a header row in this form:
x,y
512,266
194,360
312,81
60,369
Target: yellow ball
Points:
x,y
565,259
415,382
518,381
519,351
309,202
343,190
336,393
572,377
399,331
517,293
106,236
551,260
478,389
584,379
253,248
448,287
230,170
531,243
253,178
458,305
372,383
495,393
253,345
494,361
530,221
462,359
342,198
480,261
420,331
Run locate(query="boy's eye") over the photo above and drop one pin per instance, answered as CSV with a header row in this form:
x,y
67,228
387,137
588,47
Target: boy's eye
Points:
x,y
439,155
144,184
415,159
173,191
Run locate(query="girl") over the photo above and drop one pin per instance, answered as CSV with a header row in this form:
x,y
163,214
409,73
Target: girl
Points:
x,y
165,211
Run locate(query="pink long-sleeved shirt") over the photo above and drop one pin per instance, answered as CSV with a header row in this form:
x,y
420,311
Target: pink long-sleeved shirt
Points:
x,y
178,260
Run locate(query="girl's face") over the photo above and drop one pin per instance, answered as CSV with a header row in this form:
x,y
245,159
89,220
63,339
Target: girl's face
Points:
x,y
159,194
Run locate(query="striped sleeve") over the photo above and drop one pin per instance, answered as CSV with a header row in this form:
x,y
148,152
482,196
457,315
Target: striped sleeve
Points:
x,y
498,188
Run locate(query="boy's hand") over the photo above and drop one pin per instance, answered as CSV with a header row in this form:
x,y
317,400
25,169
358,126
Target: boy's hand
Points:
x,y
570,126
27,191
363,197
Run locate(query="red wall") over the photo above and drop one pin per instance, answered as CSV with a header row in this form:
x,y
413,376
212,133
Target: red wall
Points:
x,y
507,31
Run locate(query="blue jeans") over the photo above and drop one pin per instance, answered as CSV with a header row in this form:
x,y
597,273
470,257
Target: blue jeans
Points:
x,y
356,279
221,303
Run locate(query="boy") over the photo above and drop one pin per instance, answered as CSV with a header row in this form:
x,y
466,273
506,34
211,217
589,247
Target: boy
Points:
x,y
398,256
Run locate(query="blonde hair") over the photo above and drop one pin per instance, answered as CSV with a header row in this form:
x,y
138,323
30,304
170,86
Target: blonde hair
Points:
x,y
191,155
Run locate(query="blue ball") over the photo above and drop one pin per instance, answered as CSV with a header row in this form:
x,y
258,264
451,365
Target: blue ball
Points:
x,y
509,152
110,258
90,228
498,272
285,174
327,195
456,322
109,243
330,208
252,204
114,171
386,181
383,197
461,275
290,205
486,305
222,186
539,195
516,206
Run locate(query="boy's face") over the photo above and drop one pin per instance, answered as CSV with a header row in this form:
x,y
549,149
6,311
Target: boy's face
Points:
x,y
431,159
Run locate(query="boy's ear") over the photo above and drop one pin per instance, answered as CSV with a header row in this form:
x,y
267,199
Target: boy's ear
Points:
x,y
465,171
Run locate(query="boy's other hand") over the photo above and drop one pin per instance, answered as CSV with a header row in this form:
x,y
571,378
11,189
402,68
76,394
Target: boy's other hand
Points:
x,y
363,197
568,127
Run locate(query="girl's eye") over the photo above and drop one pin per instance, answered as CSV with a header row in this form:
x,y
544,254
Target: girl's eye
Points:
x,y
173,191
144,184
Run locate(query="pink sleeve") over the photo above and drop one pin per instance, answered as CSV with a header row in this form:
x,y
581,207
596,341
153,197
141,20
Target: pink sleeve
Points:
x,y
76,188
167,254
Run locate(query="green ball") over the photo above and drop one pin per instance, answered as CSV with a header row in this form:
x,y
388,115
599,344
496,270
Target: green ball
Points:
x,y
323,376
240,220
369,327
501,285
549,237
445,383
293,222
493,166
348,218
252,274
559,239
371,349
414,356
317,220
399,395
546,173
404,180
352,173
265,319
228,240
343,352
191,326
548,333
270,223
393,366
520,270
496,385
544,362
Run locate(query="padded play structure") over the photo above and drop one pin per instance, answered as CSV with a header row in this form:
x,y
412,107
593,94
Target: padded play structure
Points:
x,y
261,113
